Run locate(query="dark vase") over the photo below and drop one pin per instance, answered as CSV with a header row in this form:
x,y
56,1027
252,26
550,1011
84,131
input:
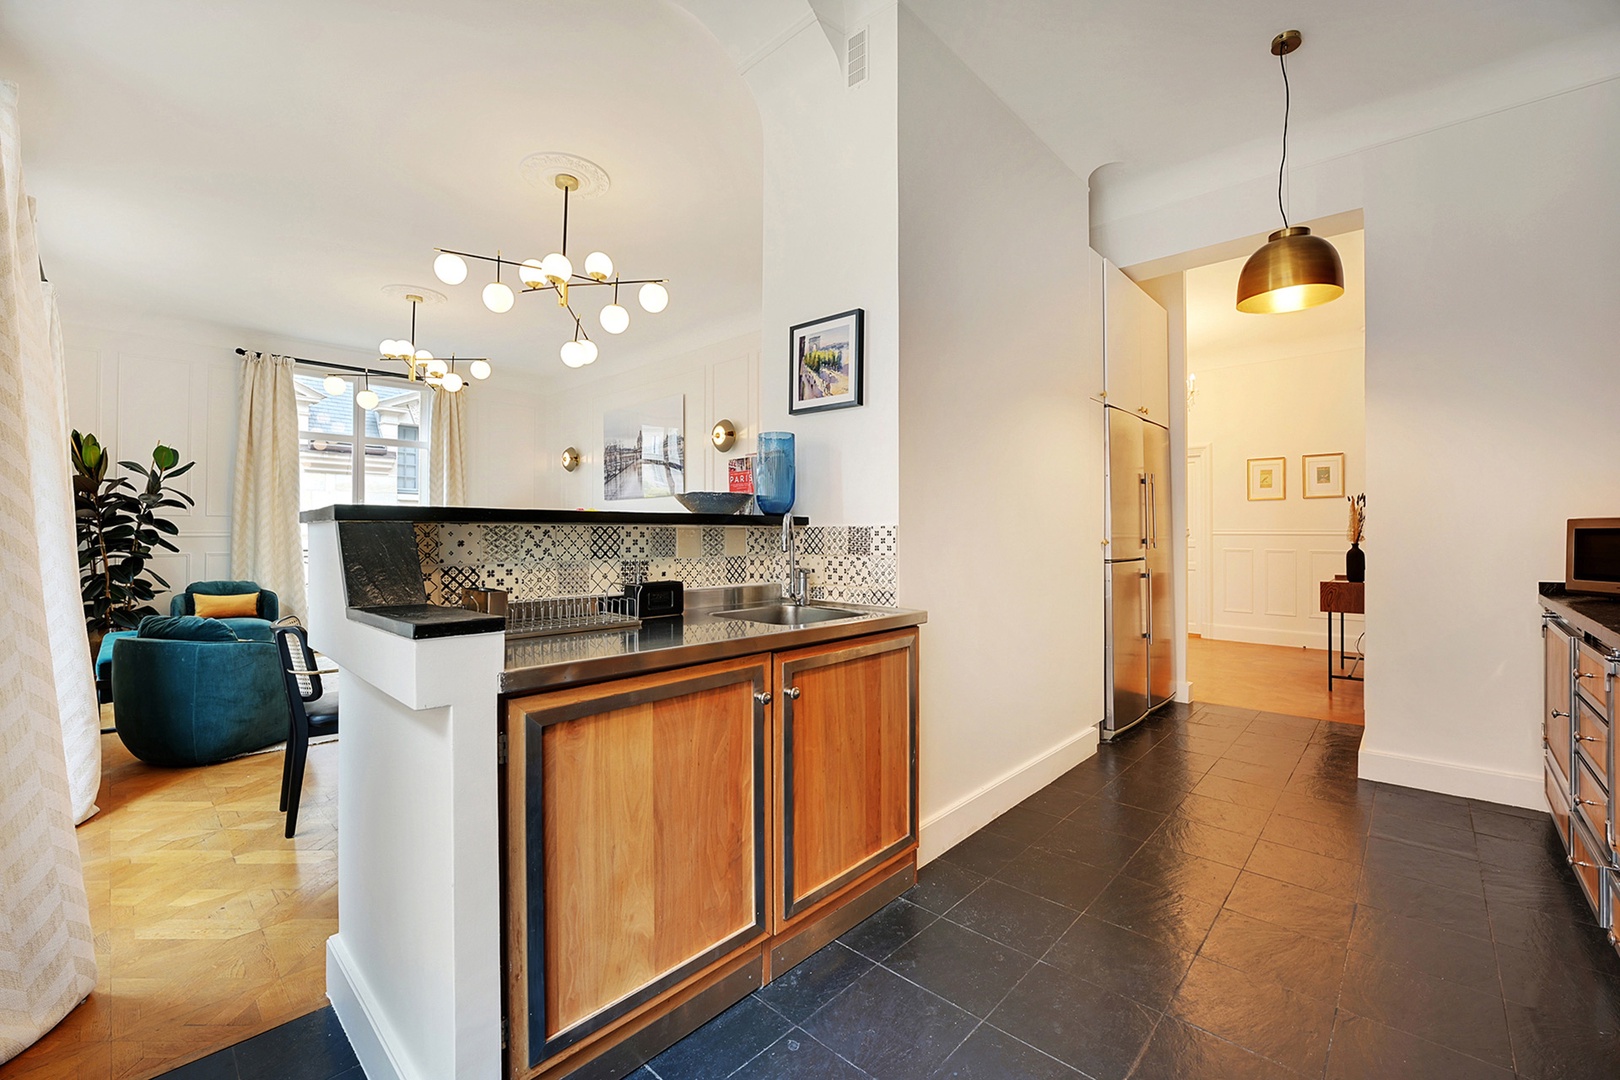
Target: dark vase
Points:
x,y
1355,563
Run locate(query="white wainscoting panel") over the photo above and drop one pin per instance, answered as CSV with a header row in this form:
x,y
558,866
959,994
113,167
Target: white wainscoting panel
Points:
x,y
1237,581
1278,606
1282,582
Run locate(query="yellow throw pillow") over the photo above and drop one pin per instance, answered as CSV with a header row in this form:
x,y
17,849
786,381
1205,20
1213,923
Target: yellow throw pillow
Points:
x,y
240,606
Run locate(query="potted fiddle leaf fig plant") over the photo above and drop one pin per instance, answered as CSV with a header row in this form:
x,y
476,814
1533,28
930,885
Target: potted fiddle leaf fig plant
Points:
x,y
119,527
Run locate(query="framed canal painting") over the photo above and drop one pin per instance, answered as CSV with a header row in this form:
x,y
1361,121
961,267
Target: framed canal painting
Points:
x,y
644,450
827,363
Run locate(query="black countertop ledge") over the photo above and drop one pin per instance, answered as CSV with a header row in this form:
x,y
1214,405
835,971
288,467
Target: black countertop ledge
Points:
x,y
1595,614
505,515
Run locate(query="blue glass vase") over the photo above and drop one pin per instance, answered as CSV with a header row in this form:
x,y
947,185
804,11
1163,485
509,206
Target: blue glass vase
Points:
x,y
773,472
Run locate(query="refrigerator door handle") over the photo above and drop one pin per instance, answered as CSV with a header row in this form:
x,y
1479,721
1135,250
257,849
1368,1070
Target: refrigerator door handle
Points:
x,y
1147,604
1142,506
1153,510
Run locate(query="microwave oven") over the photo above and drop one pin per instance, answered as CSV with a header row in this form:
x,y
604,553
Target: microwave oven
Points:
x,y
1592,555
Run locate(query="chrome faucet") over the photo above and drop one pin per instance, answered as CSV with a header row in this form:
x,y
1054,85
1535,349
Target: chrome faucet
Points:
x,y
796,588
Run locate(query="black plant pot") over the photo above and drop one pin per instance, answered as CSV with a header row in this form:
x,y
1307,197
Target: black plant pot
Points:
x,y
1355,563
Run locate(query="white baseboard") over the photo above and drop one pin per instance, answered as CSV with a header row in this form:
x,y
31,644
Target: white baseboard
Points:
x,y
1450,778
945,829
353,1002
1315,638
1184,693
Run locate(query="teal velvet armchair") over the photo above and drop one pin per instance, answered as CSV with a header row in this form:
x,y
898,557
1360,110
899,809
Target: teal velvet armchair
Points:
x,y
190,691
184,604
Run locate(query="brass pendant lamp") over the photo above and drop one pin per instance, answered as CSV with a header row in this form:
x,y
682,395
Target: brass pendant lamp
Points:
x,y
1294,270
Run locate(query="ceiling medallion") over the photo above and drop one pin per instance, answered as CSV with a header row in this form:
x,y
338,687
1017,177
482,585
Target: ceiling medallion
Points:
x,y
555,274
541,170
1293,270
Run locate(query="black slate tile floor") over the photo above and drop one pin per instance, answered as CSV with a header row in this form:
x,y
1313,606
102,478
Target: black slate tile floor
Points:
x,y
1213,897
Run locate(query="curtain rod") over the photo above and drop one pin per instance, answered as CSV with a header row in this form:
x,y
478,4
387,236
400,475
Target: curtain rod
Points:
x,y
358,370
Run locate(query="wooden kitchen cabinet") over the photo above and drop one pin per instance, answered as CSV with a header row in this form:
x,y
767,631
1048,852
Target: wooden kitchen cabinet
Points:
x,y
636,846
846,738
1559,706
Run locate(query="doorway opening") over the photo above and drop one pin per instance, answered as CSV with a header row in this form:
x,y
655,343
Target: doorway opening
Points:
x,y
1274,436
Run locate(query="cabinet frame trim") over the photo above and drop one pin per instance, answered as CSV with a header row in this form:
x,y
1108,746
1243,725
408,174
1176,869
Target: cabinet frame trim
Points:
x,y
836,655
532,721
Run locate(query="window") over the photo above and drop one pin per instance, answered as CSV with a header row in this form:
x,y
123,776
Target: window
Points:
x,y
392,438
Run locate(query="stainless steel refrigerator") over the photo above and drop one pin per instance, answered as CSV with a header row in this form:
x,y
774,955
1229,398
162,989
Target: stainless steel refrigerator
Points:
x,y
1138,593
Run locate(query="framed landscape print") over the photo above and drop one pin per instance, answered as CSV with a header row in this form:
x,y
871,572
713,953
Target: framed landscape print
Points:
x,y
827,363
1268,479
644,450
1324,476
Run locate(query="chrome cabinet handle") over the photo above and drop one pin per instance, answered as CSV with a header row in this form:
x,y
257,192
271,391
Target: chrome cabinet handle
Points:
x,y
1573,861
1588,802
1585,675
1556,714
1585,738
792,692
763,698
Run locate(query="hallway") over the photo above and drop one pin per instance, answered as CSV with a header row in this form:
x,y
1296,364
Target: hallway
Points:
x,y
1270,678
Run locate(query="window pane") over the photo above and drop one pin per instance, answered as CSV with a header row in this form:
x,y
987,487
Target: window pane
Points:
x,y
397,407
391,475
325,472
318,411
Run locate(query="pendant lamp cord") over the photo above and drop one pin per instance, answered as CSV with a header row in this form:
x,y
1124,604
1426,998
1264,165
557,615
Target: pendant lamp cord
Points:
x,y
1282,59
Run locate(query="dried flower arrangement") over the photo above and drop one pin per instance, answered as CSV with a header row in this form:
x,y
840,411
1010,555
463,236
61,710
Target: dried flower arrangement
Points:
x,y
1358,517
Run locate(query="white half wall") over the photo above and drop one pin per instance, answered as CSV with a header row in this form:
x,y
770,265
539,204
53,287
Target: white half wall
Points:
x,y
718,382
1001,497
1489,397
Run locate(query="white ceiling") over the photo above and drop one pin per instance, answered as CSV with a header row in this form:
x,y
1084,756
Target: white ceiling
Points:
x,y
1219,335
271,166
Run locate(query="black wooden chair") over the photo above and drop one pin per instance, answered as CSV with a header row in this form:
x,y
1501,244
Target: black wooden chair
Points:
x,y
312,711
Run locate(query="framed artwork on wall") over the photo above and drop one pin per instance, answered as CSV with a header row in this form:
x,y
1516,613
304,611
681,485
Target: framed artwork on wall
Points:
x,y
827,363
1324,476
644,450
1268,479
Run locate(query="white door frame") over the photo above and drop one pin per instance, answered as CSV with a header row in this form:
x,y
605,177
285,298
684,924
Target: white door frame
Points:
x,y
1199,532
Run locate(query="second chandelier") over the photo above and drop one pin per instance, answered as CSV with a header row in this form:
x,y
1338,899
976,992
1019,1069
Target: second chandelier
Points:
x,y
555,274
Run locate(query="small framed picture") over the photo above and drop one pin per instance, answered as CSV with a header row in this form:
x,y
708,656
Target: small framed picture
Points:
x,y
827,363
1324,476
1268,479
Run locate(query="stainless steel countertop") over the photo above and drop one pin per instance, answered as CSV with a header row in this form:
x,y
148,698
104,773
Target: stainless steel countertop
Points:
x,y
700,636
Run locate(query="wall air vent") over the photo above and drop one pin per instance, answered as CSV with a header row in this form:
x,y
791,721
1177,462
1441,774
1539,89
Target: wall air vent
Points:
x,y
855,58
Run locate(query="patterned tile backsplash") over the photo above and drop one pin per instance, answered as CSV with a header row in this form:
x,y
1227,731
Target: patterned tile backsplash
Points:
x,y
852,563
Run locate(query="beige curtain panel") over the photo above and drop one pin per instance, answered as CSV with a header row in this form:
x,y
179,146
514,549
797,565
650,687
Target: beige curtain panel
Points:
x,y
265,542
447,449
47,958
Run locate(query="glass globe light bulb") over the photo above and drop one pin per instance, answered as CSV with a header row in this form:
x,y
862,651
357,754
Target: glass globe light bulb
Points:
x,y
654,297
498,297
598,266
573,354
557,267
450,269
479,369
334,385
615,319
532,273
453,382
386,347
437,368
589,348
366,399
423,354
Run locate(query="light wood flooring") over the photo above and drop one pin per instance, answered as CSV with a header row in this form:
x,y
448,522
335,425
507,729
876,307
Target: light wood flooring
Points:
x,y
210,926
1271,678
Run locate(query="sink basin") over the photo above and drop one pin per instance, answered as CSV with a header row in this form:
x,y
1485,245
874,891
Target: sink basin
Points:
x,y
790,614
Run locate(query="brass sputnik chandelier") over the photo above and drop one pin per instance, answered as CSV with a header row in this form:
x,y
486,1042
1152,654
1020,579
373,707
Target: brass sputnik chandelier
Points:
x,y
423,366
555,274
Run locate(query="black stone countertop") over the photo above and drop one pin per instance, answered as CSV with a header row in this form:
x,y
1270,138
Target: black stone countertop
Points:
x,y
701,637
505,515
1595,614
428,620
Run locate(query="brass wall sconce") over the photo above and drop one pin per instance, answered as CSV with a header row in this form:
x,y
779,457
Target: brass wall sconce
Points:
x,y
724,435
570,459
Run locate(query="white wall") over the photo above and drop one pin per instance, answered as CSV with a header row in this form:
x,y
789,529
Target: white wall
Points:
x,y
1000,446
718,382
831,244
135,381
1492,247
1267,558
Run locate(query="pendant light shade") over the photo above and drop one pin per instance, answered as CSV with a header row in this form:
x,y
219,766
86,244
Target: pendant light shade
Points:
x,y
1293,271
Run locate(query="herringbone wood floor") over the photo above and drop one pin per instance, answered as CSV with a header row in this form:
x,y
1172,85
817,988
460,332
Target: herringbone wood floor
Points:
x,y
210,925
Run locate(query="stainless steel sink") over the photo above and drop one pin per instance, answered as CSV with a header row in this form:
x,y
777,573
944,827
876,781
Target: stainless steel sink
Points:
x,y
790,614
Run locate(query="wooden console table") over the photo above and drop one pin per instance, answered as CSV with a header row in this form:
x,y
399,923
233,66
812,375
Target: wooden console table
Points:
x,y
1343,597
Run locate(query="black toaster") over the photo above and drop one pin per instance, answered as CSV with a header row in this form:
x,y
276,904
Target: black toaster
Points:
x,y
656,599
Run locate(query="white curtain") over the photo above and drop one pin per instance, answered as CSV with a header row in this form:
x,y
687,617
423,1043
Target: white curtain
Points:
x,y
47,959
265,543
447,449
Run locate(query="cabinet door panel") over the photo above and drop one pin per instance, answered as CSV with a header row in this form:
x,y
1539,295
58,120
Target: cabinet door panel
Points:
x,y
636,836
1560,661
848,746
